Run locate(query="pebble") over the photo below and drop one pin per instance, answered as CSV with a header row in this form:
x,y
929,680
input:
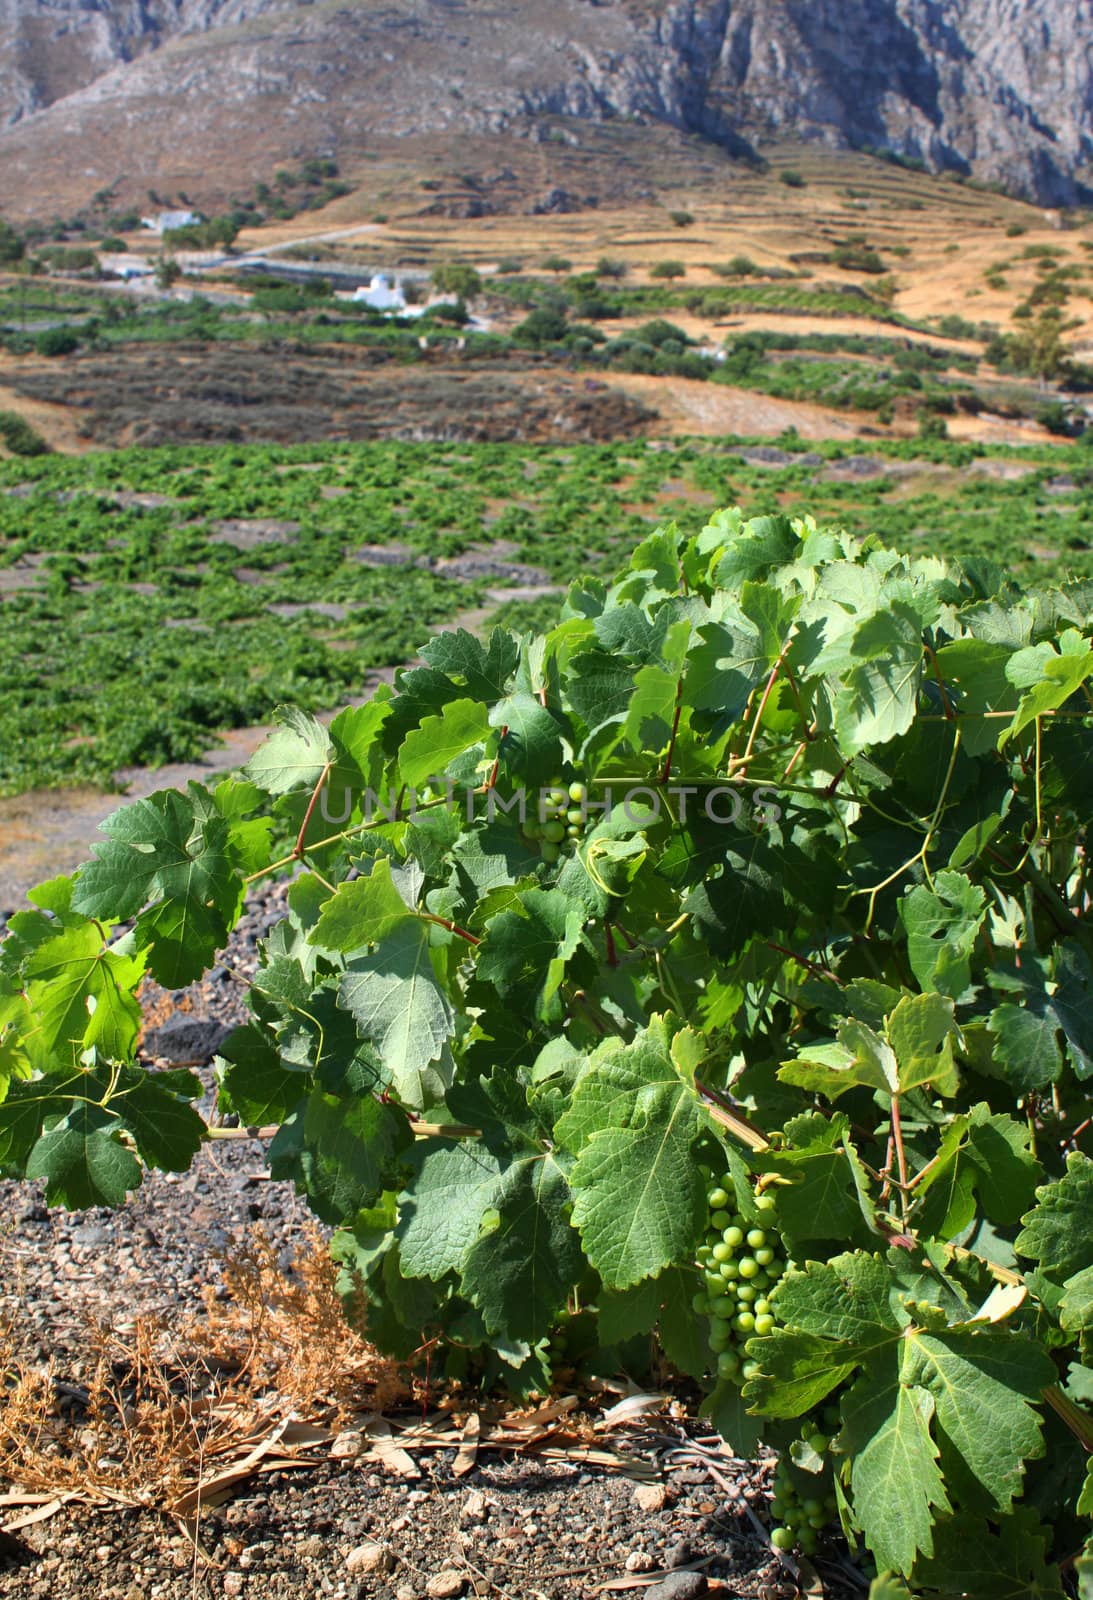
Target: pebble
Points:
x,y
369,1557
474,1507
639,1561
650,1496
446,1585
679,1586
347,1446
233,1583
680,1555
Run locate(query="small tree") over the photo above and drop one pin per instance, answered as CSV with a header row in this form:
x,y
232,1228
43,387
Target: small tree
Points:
x,y
668,269
167,271
458,278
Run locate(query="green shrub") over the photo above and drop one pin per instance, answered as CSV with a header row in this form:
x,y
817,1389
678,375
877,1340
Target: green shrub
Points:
x,y
458,278
668,269
19,437
57,342
792,178
682,219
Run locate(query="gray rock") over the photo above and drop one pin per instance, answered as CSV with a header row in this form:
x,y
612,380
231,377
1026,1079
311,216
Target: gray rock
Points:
x,y
184,1038
678,1586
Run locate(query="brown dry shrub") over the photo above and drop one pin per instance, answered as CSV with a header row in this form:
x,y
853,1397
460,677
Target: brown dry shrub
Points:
x,y
164,1409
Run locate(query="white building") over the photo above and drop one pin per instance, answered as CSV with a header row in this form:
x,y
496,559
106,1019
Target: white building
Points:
x,y
380,295
166,220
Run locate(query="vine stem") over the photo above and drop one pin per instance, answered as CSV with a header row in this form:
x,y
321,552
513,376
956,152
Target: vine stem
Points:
x,y
452,927
936,665
901,1158
667,770
753,733
298,850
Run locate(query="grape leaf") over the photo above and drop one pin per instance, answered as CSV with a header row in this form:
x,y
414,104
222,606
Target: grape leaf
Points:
x,y
527,1256
524,953
923,1389
177,846
399,1005
341,1153
820,1200
81,993
982,1154
975,1563
485,671
942,926
82,1161
1049,678
294,757
875,702
1058,1233
531,746
634,1120
429,750
254,1082
362,911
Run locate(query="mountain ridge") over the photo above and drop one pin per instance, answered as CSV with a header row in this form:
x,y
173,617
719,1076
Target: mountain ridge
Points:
x,y
998,89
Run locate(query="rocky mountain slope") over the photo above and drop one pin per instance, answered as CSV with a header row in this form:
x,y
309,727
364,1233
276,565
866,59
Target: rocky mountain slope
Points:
x,y
171,88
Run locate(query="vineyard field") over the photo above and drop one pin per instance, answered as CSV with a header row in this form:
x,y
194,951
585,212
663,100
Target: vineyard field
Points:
x,y
154,597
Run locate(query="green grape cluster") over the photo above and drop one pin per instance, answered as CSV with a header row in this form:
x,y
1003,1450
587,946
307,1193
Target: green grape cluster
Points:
x,y
562,815
804,1502
741,1265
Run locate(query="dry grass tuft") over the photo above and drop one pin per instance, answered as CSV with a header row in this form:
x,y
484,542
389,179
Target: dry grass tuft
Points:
x,y
291,1337
173,1417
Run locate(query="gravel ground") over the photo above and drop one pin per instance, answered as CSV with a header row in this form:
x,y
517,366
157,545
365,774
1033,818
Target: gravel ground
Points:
x,y
514,1527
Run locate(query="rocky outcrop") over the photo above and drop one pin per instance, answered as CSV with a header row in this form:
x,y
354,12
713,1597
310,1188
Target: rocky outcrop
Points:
x,y
999,88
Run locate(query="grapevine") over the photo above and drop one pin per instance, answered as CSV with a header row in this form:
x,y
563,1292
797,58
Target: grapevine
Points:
x,y
714,968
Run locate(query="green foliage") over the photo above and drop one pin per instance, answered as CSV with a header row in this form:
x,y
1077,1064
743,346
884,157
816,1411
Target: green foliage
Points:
x,y
790,1023
668,269
792,178
458,278
19,437
80,536
57,342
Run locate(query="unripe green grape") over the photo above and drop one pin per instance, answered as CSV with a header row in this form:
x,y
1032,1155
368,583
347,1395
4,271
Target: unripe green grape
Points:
x,y
720,1337
532,829
716,1198
764,1255
558,796
573,833
703,1254
720,1221
765,1202
714,1282
554,832
577,792
761,1308
818,1442
748,1266
764,1323
700,1305
743,1322
756,1238
727,1363
812,1507
733,1236
777,1509
818,1521
782,1539
575,816
745,1291
721,1252
549,852
724,1307
729,1271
